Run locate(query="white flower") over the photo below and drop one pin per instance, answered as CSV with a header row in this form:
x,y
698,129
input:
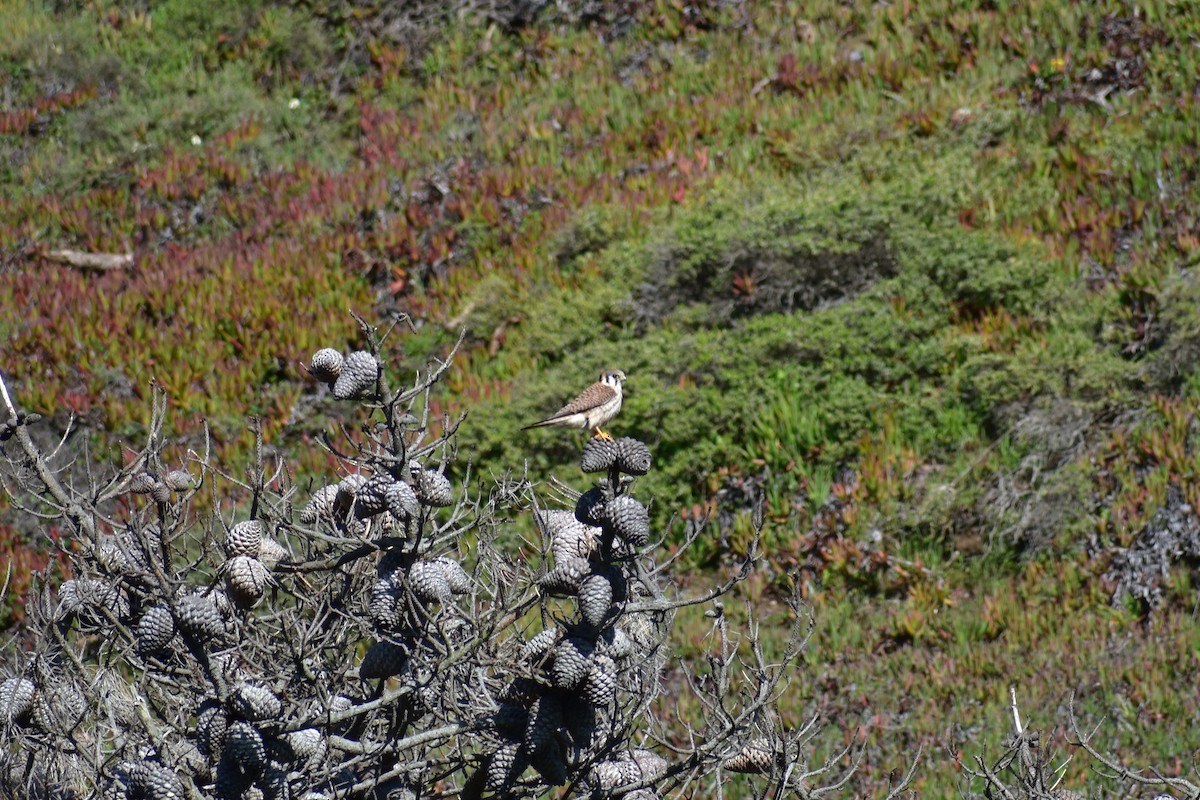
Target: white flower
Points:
x,y
294,103
196,140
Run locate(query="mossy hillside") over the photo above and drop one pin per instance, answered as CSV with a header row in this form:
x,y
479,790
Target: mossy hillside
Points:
x,y
718,383
155,79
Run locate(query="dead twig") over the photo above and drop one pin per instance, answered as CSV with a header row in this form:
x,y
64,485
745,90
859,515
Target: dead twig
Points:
x,y
101,262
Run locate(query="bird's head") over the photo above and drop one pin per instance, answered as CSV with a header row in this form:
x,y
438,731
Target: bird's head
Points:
x,y
613,378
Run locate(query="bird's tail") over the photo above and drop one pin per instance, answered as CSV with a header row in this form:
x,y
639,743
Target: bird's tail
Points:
x,y
539,424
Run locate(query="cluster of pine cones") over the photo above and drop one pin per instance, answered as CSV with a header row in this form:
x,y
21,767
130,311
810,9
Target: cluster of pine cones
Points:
x,y
565,708
244,745
565,720
350,377
408,589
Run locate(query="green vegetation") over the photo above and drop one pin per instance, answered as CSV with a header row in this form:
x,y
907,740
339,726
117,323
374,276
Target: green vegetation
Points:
x,y
918,275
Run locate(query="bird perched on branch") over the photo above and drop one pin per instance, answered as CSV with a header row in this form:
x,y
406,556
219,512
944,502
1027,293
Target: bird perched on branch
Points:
x,y
594,406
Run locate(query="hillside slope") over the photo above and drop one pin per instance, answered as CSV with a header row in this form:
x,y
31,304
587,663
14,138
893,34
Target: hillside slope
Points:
x,y
919,276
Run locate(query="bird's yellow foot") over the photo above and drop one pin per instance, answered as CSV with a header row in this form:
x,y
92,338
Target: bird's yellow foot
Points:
x,y
602,435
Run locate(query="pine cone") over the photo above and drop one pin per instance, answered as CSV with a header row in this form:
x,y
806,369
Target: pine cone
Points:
x,y
211,725
434,489
428,582
232,783
163,784
255,703
178,480
141,483
600,686
16,700
320,505
68,600
199,617
457,577
650,765
572,663
358,375
634,766
550,764
566,577
642,794
383,607
307,745
628,519
383,660
590,508
402,501
245,538
541,739
595,599
632,456
347,488
113,599
617,644
371,497
326,365
160,492
550,520
246,579
537,647
112,558
145,780
598,455
138,558
579,720
87,599
58,707
506,765
569,537
245,746
271,552
755,758
274,782
155,630
545,717
608,775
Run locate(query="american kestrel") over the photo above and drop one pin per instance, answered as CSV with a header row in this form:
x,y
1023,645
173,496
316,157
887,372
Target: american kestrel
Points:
x,y
594,406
